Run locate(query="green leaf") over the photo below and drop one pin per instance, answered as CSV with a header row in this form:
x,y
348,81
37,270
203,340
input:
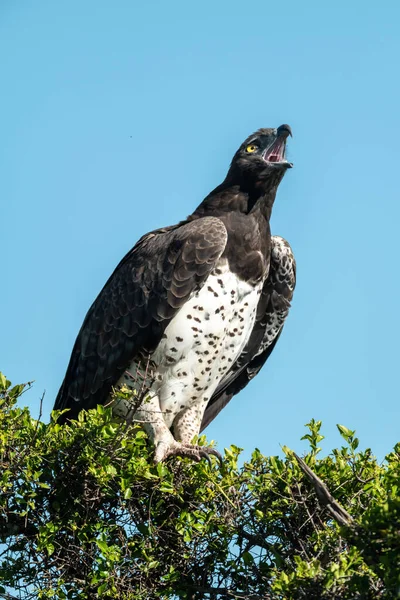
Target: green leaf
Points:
x,y
128,493
166,487
111,470
343,430
103,546
248,558
102,588
3,382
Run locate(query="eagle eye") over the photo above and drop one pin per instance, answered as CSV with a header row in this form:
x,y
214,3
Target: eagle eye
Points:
x,y
251,148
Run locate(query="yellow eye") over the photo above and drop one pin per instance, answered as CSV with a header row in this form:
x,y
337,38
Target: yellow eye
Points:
x,y
251,148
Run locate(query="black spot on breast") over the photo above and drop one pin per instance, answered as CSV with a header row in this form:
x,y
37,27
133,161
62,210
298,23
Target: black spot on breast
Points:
x,y
173,350
179,339
189,317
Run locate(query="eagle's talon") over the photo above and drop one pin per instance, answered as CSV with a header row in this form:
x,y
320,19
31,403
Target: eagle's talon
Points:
x,y
196,453
206,452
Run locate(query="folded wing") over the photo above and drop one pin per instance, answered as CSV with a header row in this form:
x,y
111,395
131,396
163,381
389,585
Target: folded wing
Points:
x,y
130,314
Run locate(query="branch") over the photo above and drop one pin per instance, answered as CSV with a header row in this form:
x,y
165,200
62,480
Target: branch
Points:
x,y
229,593
12,525
325,497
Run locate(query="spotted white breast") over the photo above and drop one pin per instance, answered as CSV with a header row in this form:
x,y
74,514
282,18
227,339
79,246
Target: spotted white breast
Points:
x,y
201,343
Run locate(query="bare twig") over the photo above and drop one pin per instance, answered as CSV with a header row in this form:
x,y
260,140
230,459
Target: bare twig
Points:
x,y
40,414
325,497
229,593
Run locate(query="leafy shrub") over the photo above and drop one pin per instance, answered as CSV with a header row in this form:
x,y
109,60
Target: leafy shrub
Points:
x,y
84,513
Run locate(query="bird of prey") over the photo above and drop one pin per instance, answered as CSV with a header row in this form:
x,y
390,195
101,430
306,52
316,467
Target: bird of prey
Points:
x,y
193,311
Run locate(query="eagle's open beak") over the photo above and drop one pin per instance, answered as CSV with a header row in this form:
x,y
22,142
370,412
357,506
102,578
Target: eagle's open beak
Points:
x,y
276,152
284,131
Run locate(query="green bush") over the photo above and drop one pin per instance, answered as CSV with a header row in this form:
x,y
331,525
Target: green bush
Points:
x,y
84,513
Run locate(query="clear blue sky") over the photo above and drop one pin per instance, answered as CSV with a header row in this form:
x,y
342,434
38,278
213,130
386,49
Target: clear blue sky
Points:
x,y
119,117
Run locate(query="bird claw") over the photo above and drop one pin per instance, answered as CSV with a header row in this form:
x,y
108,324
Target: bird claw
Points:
x,y
164,451
203,452
207,451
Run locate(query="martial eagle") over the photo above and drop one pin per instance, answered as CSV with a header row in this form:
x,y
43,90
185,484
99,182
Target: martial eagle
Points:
x,y
193,311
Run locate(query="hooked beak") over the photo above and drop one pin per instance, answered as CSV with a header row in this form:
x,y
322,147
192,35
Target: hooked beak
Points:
x,y
276,152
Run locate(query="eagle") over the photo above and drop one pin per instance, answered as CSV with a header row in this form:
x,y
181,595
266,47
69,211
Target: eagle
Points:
x,y
192,312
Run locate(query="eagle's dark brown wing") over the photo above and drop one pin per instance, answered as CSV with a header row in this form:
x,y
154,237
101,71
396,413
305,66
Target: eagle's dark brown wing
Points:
x,y
272,310
130,314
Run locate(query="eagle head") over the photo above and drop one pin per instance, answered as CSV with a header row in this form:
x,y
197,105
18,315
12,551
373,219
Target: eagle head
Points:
x,y
261,158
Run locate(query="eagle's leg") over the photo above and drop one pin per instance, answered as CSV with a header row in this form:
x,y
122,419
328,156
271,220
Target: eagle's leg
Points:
x,y
187,423
151,418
